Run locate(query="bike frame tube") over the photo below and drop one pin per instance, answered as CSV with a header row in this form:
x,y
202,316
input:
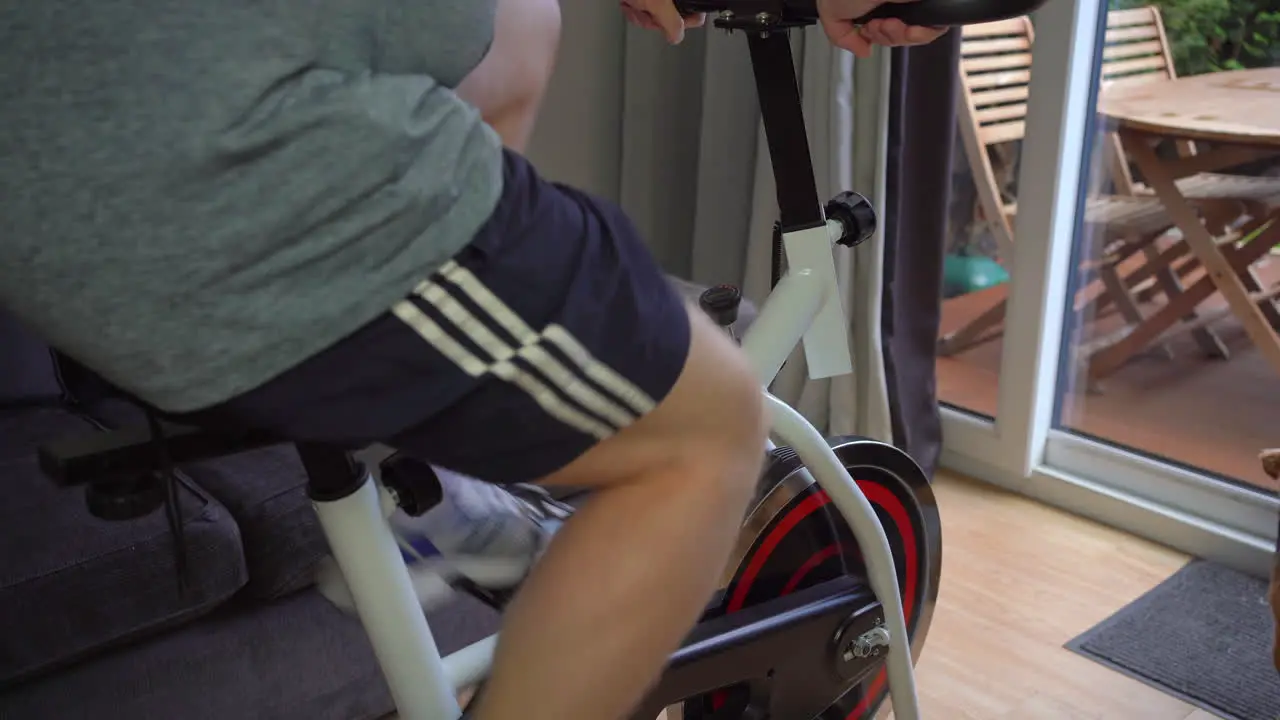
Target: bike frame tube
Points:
x,y
786,316
827,470
804,309
468,666
805,294
781,322
370,560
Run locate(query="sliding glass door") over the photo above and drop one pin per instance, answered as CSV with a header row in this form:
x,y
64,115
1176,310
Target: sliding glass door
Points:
x,y
1095,351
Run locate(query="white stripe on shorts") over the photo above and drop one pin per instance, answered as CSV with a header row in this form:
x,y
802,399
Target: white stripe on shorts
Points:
x,y
529,348
606,376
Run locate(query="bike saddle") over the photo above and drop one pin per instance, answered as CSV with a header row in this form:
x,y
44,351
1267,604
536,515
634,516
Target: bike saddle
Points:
x,y
938,13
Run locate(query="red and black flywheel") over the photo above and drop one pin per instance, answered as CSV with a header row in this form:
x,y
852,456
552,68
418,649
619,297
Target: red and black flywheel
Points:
x,y
794,538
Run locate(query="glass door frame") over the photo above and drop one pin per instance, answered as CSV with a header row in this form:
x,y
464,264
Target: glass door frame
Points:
x,y
1021,450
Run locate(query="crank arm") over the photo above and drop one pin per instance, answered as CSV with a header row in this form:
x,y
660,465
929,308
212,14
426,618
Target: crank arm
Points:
x,y
798,651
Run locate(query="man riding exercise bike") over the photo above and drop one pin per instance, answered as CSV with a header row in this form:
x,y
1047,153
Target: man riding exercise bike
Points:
x,y
314,220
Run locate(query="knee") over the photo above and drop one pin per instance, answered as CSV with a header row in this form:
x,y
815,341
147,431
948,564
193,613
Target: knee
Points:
x,y
748,427
703,443
733,430
749,439
743,431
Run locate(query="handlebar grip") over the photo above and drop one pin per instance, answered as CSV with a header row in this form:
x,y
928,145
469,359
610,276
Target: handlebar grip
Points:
x,y
949,13
936,13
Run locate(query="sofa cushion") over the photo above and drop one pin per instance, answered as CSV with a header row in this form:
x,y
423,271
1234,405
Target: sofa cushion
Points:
x,y
71,584
27,369
298,658
265,491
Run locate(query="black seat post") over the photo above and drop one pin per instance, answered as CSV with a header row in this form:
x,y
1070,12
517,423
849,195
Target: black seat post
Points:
x,y
332,472
782,115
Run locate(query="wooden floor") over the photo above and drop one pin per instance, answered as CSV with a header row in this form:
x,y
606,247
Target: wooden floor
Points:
x,y
1201,412
1020,579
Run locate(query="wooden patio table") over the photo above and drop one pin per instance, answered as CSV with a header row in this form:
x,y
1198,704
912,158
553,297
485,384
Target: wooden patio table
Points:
x,y
1236,114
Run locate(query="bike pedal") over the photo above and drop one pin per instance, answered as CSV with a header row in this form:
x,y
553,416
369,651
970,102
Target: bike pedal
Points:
x,y
496,599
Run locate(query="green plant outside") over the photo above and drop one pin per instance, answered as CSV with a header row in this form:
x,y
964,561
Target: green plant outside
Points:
x,y
1214,35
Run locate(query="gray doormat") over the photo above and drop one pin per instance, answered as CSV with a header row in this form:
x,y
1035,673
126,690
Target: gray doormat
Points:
x,y
1203,635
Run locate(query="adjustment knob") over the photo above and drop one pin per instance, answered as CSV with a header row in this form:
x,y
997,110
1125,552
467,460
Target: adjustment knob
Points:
x,y
415,483
721,303
855,214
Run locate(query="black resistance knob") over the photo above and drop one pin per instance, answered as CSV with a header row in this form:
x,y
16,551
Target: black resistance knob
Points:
x,y
856,216
721,303
415,483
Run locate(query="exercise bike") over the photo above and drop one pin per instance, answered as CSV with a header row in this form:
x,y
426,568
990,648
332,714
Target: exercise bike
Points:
x,y
829,594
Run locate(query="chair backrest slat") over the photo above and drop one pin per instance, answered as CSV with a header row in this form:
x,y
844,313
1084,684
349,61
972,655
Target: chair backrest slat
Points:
x,y
995,70
1135,52
995,74
1136,48
1012,26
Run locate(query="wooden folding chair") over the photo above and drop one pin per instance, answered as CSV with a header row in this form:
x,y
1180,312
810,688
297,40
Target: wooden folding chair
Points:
x,y
995,69
1136,52
1108,353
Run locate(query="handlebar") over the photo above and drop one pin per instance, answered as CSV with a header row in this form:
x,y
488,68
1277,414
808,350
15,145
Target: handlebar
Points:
x,y
779,93
936,13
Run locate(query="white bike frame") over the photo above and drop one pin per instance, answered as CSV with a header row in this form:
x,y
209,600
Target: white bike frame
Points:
x,y
804,308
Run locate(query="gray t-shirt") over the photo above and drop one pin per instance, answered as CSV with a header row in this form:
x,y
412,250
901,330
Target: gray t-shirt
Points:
x,y
198,195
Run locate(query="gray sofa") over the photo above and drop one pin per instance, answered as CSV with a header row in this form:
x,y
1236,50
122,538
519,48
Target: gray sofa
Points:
x,y
91,621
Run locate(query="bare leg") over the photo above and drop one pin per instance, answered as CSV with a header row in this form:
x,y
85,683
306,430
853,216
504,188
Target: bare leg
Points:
x,y
510,82
626,578
671,492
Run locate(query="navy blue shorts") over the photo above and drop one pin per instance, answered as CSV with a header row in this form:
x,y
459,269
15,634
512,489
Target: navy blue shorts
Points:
x,y
550,332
